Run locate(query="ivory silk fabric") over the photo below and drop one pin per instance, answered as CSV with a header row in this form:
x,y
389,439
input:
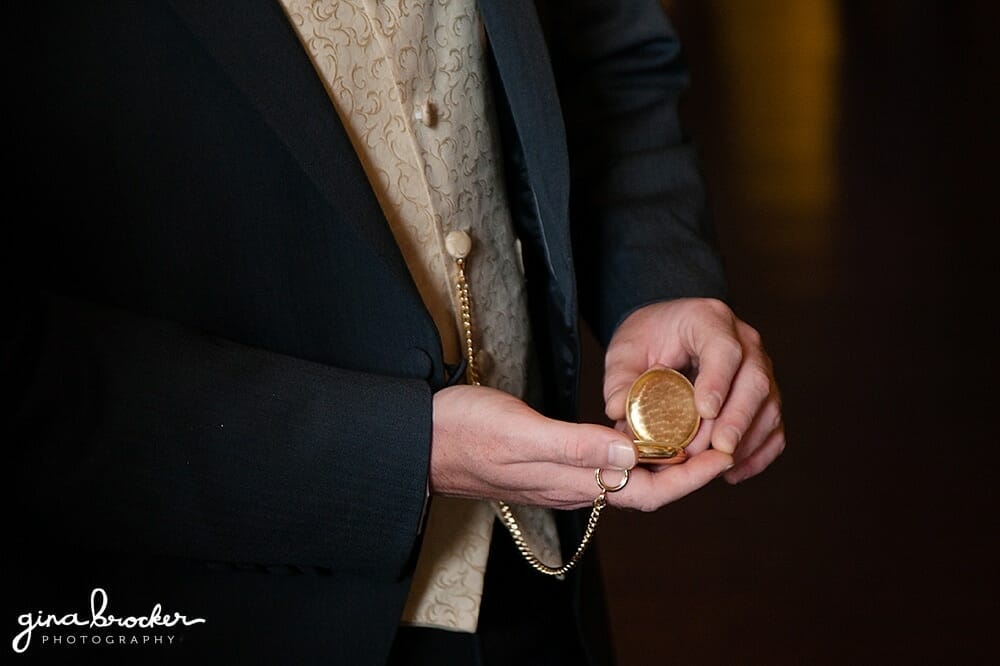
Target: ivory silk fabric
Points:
x,y
409,81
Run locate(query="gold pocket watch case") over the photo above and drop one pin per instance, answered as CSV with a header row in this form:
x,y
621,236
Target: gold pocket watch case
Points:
x,y
660,411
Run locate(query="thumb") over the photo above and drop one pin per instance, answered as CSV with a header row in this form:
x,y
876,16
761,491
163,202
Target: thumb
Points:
x,y
584,445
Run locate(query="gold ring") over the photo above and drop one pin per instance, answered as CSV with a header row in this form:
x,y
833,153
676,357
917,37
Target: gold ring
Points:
x,y
610,489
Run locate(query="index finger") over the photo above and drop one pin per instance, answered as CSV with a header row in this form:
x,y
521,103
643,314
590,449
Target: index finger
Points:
x,y
719,354
618,377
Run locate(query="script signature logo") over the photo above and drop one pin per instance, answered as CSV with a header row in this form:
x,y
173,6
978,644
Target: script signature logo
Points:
x,y
98,619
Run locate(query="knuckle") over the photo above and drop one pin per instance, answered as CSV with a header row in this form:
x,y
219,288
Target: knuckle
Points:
x,y
776,423
730,349
751,335
779,443
574,452
743,418
718,308
621,347
760,381
766,358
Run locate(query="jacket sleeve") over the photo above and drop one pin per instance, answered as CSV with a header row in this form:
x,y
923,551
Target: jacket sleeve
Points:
x,y
640,226
189,365
141,435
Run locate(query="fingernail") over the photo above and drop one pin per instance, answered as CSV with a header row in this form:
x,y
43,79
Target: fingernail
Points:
x,y
621,455
710,405
726,440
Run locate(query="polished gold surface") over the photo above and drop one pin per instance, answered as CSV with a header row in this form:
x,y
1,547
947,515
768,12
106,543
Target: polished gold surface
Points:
x,y
661,413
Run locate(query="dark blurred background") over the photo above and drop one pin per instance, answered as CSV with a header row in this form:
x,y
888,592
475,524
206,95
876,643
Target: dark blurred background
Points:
x,y
850,151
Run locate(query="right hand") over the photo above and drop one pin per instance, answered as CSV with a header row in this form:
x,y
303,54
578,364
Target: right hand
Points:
x,y
488,444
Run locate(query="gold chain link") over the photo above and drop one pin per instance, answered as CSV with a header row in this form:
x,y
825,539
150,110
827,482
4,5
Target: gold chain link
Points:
x,y
522,546
509,521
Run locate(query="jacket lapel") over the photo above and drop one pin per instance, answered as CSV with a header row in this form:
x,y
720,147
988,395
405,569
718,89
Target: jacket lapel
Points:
x,y
258,49
522,61
539,165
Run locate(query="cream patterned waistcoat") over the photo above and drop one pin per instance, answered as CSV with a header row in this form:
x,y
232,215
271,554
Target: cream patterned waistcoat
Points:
x,y
409,80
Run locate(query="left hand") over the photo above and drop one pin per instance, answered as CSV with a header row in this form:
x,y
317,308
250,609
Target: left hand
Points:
x,y
735,391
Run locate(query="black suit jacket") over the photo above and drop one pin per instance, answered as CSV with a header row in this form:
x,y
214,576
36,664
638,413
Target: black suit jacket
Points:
x,y
219,376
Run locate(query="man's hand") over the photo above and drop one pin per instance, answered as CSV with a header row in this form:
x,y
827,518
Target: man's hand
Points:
x,y
489,444
735,392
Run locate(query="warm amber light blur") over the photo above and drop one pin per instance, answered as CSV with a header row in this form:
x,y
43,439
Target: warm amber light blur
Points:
x,y
779,60
775,81
779,66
